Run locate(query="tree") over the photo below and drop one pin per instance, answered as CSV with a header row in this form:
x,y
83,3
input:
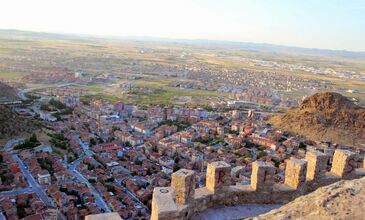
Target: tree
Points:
x,y
32,142
21,212
33,138
91,181
57,104
177,159
92,141
176,167
302,146
261,154
149,172
127,144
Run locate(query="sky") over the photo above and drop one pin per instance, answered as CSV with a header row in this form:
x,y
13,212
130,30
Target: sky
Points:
x,y
329,24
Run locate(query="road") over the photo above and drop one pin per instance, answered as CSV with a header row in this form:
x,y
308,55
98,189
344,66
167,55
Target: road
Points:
x,y
31,181
90,153
86,148
131,194
99,201
10,144
35,186
17,191
21,95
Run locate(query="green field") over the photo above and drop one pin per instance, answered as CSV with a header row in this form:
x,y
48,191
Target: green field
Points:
x,y
10,76
164,97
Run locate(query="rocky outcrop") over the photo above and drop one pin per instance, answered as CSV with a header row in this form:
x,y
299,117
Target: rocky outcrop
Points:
x,y
341,200
325,116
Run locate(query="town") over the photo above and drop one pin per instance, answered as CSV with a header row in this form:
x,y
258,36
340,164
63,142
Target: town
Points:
x,y
102,156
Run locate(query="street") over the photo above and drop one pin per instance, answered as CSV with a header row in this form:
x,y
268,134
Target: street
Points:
x,y
32,182
35,186
72,168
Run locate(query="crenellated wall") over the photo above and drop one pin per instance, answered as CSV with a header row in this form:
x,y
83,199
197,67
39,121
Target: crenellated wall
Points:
x,y
182,200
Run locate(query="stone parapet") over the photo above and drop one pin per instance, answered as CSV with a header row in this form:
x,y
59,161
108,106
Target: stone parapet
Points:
x,y
218,175
182,200
262,177
343,164
183,182
163,203
295,173
316,164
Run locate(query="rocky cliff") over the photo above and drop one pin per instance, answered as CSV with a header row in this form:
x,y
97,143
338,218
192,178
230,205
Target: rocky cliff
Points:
x,y
325,116
342,200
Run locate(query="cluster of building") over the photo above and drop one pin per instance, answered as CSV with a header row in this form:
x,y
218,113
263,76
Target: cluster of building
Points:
x,y
11,176
25,206
119,152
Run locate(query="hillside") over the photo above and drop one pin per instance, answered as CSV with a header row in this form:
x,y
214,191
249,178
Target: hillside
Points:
x,y
13,125
7,93
325,116
341,200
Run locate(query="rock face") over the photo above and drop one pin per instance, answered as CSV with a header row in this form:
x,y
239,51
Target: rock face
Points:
x,y
325,116
341,200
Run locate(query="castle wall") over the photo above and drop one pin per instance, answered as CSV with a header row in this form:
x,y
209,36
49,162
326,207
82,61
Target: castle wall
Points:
x,y
182,201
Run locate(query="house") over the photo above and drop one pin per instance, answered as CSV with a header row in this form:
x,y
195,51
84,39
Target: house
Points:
x,y
134,141
44,177
142,129
47,116
123,136
113,146
186,137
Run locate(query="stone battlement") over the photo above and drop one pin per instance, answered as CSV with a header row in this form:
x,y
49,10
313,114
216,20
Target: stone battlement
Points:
x,y
182,200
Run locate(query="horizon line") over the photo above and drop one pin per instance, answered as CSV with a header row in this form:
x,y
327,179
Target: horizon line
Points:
x,y
134,37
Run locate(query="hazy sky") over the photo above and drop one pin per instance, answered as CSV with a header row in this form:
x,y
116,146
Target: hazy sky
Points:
x,y
333,24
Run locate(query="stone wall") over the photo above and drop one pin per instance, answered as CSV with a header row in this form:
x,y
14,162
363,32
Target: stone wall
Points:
x,y
182,200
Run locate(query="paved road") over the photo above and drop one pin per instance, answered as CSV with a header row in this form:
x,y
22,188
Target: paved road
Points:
x,y
17,191
98,198
31,181
131,194
35,187
21,95
11,143
86,148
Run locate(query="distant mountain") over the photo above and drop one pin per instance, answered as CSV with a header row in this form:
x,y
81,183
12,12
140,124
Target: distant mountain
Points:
x,y
259,47
265,47
325,116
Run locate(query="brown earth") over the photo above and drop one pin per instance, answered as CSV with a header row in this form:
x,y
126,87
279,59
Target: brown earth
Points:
x,y
13,125
342,200
7,93
326,116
